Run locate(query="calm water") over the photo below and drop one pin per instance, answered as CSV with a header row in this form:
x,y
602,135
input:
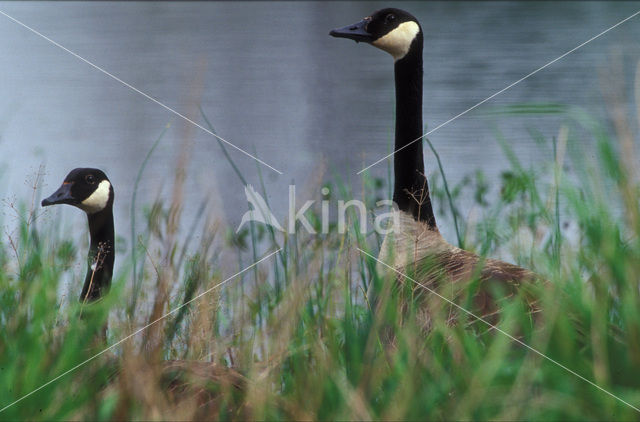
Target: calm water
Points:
x,y
274,83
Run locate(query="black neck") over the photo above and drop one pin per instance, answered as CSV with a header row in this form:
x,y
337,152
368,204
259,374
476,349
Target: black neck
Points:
x,y
411,191
101,253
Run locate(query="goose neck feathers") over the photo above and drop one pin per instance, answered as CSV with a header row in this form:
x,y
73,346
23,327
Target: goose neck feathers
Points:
x,y
90,190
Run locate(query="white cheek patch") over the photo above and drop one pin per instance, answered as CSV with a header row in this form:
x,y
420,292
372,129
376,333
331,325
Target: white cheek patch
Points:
x,y
98,199
398,41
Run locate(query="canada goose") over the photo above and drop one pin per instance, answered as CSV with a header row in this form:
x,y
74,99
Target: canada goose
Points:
x,y
91,191
415,237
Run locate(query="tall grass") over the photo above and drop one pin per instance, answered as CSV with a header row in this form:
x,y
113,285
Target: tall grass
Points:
x,y
317,333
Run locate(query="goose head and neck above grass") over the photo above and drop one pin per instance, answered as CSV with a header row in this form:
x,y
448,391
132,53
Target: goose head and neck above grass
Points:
x,y
399,34
415,237
90,190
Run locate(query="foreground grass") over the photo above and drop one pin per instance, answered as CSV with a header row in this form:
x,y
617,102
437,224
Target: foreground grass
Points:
x,y
317,333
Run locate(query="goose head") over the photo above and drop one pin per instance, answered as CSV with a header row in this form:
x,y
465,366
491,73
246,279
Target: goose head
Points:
x,y
392,30
85,188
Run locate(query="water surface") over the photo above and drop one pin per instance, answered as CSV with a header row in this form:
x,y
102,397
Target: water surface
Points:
x,y
274,83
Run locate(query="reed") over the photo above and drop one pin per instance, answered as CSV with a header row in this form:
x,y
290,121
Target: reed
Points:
x,y
317,333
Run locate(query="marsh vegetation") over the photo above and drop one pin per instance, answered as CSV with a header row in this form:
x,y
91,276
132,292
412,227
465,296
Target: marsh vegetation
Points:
x,y
314,331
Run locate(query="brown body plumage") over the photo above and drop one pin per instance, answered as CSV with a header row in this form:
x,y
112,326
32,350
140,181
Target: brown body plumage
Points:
x,y
419,252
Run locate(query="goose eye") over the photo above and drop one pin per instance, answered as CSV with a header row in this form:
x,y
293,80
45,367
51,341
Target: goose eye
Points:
x,y
390,18
90,179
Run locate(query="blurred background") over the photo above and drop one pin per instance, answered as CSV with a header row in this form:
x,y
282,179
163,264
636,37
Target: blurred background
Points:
x,y
271,81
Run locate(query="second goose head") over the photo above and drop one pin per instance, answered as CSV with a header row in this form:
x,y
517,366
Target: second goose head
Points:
x,y
86,188
392,30
90,190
